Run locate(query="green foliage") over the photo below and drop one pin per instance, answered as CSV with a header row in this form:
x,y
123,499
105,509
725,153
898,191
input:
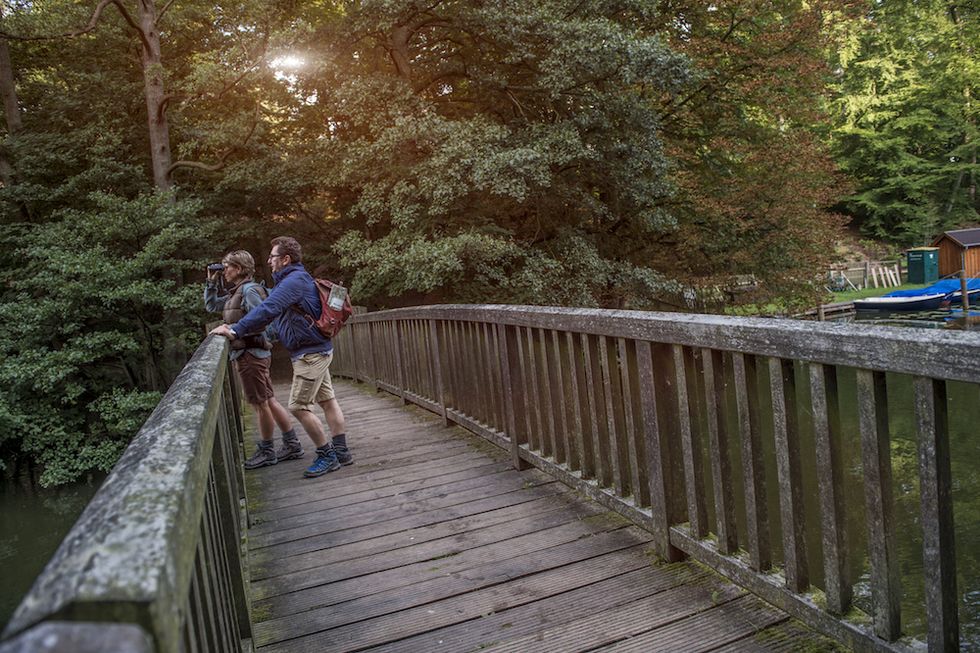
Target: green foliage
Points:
x,y
906,118
94,322
507,152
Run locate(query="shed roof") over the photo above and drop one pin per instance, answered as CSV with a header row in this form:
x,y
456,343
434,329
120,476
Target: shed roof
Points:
x,y
964,237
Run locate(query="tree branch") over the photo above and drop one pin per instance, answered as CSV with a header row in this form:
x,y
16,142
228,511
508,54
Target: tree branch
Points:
x,y
92,24
223,159
164,10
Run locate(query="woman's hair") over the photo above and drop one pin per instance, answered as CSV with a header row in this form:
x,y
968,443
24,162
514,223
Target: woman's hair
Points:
x,y
242,259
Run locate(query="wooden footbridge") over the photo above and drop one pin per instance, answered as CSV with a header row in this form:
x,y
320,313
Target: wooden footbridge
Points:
x,y
535,480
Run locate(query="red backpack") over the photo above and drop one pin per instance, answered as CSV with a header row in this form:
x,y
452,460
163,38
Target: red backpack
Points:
x,y
335,309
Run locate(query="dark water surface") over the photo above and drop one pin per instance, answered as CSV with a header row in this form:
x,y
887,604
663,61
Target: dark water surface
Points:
x,y
33,521
964,413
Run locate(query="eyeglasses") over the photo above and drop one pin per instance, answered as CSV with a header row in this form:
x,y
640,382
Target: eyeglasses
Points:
x,y
272,256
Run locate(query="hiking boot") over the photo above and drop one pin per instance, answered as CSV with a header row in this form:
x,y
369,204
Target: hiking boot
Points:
x,y
262,457
326,461
344,456
290,450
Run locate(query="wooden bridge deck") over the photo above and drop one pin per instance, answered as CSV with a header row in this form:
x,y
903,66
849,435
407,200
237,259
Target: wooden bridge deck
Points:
x,y
432,542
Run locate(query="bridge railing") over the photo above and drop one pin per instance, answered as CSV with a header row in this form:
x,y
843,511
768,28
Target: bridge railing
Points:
x,y
725,437
154,563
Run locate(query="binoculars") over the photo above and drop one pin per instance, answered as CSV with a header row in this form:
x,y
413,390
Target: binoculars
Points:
x,y
215,267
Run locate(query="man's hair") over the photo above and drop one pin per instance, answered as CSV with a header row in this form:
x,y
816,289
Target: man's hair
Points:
x,y
289,245
242,259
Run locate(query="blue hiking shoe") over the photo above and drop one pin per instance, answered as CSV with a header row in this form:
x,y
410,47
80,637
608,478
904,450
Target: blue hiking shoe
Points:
x,y
326,461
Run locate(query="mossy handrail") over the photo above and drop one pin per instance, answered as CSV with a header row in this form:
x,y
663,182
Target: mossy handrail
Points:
x,y
155,558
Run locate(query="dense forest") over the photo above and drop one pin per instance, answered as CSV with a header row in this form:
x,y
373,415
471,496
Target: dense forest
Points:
x,y
614,153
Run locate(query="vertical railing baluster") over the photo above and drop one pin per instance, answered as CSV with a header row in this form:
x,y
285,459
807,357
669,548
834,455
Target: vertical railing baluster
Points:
x,y
547,401
782,383
575,405
490,381
509,338
536,431
399,367
697,514
827,439
753,469
562,435
935,487
613,433
638,488
716,406
373,344
886,589
497,380
591,414
437,370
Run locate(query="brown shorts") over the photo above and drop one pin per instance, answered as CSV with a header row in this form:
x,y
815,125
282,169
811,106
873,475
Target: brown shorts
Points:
x,y
254,373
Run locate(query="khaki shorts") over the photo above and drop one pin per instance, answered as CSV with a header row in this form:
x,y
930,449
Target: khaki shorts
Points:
x,y
311,381
254,373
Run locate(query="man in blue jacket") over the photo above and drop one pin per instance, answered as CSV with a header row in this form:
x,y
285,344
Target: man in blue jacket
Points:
x,y
291,303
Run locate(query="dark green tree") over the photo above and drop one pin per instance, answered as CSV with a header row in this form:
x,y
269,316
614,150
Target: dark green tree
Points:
x,y
906,118
479,152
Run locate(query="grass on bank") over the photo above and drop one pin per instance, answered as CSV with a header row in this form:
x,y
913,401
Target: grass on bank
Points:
x,y
851,295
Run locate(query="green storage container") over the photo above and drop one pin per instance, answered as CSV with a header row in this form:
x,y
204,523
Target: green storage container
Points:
x,y
923,264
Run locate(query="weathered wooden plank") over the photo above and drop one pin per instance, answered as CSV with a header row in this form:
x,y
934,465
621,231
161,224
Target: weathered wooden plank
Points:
x,y
464,559
721,469
827,440
362,558
753,469
782,383
490,380
435,349
935,487
542,617
536,435
886,589
412,620
378,538
715,627
614,623
399,361
690,443
471,580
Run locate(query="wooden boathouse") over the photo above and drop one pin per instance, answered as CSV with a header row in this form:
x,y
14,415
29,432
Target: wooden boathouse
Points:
x,y
959,249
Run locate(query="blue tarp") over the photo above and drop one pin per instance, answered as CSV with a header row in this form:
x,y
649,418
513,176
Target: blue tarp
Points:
x,y
945,286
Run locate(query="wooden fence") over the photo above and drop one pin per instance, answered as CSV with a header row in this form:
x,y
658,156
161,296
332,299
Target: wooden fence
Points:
x,y
154,563
691,425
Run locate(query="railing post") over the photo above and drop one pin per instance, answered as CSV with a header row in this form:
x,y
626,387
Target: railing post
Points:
x,y
658,458
827,436
373,346
437,370
352,335
936,489
784,425
513,401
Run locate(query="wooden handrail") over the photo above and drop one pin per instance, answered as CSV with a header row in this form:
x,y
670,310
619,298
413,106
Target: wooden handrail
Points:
x,y
156,553
656,415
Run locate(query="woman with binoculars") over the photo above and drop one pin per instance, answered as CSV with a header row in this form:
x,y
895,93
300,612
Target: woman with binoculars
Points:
x,y
232,290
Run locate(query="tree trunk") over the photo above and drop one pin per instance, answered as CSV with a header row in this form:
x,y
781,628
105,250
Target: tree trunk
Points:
x,y
159,129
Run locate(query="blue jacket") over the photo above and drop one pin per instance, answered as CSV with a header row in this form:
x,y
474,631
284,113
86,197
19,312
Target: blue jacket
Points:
x,y
294,286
